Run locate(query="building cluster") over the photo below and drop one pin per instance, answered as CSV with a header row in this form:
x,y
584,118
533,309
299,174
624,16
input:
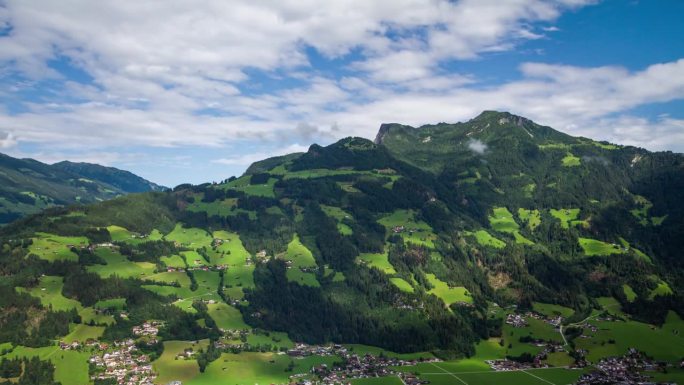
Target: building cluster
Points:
x,y
124,363
625,370
150,328
355,366
516,320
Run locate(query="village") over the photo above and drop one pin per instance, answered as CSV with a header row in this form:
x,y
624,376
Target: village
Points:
x,y
354,366
121,361
627,369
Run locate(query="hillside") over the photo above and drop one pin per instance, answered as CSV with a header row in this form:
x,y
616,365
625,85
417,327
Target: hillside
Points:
x,y
457,243
28,186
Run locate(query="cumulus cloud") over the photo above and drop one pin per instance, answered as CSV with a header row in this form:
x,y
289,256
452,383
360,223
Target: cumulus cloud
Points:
x,y
175,74
7,140
477,146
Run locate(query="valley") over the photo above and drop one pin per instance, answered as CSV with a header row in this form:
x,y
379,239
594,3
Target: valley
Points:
x,y
364,263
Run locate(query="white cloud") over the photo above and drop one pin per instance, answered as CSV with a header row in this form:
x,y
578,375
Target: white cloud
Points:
x,y
157,67
477,146
7,140
247,159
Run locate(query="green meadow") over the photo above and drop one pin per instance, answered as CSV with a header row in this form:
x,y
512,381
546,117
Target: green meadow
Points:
x,y
378,261
339,215
244,368
486,239
531,217
119,265
502,220
71,367
56,248
615,338
191,237
415,231
82,333
172,369
227,317
49,291
593,247
565,216
301,257
570,160
448,294
402,284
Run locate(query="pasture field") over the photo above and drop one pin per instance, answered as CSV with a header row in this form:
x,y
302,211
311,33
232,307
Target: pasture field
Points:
x,y
81,333
593,247
531,217
263,190
402,284
244,368
172,369
224,207
551,310
565,216
366,349
279,339
191,237
554,376
502,220
71,367
571,160
120,234
193,258
170,277
662,289
629,292
417,232
52,247
484,350
662,343
119,265
231,251
49,292
237,277
227,317
390,380
89,314
339,215
448,294
301,258
536,329
175,261
379,261
521,240
485,239
207,282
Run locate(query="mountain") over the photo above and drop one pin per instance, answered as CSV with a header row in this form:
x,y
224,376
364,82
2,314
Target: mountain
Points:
x,y
123,180
28,186
490,239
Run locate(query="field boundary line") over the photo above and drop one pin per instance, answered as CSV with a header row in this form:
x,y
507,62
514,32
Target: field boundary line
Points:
x,y
447,372
537,377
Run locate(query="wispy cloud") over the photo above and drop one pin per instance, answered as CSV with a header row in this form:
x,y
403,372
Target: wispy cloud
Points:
x,y
477,146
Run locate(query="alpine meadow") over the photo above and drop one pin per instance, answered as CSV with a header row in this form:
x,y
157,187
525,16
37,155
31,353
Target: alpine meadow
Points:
x,y
521,222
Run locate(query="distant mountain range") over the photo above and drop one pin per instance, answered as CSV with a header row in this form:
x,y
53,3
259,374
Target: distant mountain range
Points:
x,y
28,186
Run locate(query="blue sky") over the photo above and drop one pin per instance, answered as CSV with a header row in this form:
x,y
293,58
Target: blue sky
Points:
x,y
181,91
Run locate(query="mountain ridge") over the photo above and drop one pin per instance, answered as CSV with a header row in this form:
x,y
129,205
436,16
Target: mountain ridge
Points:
x,y
29,186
